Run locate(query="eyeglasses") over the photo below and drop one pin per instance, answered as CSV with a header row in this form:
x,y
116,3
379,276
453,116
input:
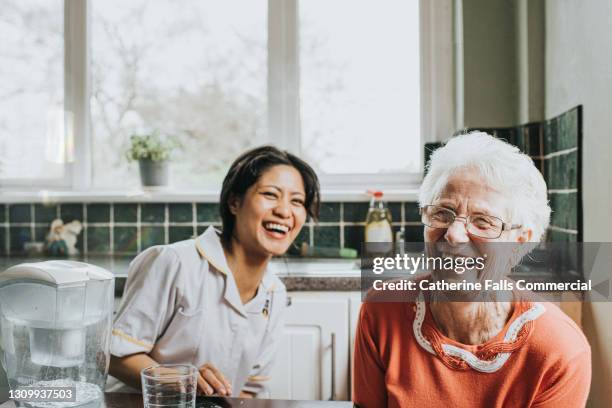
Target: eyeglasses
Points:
x,y
479,225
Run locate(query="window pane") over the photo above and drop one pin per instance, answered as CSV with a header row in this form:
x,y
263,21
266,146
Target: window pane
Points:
x,y
359,85
31,90
196,70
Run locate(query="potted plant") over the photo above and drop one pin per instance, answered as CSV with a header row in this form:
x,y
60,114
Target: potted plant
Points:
x,y
152,152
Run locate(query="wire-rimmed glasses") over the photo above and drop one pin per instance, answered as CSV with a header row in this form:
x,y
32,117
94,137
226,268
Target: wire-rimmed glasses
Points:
x,y
479,225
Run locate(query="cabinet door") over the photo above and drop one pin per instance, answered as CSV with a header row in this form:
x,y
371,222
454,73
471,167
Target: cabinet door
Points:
x,y
316,329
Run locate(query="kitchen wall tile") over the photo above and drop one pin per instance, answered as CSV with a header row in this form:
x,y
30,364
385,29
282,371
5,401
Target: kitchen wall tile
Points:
x,y
98,213
551,135
356,212
539,164
327,236
567,128
303,236
560,236
396,211
18,237
180,212
329,212
413,233
533,137
125,240
125,212
98,240
44,213
564,210
71,212
154,212
40,234
208,212
20,213
354,236
150,236
179,233
3,238
411,212
562,171
514,136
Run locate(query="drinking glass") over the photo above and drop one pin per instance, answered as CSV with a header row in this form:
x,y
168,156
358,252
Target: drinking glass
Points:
x,y
169,385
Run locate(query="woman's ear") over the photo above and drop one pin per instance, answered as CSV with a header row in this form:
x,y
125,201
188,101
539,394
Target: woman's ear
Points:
x,y
525,236
234,204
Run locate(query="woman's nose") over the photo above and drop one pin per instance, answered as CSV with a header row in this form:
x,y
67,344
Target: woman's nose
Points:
x,y
457,233
283,209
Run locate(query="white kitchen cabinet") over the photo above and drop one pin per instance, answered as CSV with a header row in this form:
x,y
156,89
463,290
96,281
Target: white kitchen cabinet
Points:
x,y
313,361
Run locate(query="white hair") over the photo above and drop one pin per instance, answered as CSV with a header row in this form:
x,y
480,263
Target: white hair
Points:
x,y
503,166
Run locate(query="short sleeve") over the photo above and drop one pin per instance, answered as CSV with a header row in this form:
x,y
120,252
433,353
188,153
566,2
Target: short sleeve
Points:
x,y
260,373
369,388
150,297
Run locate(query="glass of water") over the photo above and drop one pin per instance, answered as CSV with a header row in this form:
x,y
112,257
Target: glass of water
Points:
x,y
169,385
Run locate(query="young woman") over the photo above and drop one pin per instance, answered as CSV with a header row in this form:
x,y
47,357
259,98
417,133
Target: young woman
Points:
x,y
210,301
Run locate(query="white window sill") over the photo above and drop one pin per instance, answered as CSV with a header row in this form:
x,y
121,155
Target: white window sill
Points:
x,y
169,196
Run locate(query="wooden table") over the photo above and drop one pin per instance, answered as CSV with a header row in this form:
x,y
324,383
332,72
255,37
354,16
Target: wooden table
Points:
x,y
117,400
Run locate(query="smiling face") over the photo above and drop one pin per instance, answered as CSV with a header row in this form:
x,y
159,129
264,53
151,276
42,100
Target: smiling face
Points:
x,y
468,193
271,213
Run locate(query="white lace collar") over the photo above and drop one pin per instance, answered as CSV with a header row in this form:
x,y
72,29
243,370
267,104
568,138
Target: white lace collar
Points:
x,y
484,366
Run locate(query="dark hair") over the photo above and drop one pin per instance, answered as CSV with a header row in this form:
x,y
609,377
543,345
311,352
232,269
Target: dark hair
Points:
x,y
248,168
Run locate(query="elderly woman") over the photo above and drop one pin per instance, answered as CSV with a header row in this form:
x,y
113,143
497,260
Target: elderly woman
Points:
x,y
510,352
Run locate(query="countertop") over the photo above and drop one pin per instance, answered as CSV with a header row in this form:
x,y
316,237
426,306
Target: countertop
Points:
x,y
298,274
117,400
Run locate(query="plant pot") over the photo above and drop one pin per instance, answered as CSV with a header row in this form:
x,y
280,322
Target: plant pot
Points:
x,y
153,173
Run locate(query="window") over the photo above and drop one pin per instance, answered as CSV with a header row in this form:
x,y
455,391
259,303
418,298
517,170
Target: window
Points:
x,y
33,127
336,82
195,71
359,85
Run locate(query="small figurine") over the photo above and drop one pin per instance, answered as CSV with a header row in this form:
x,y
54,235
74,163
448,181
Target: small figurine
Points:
x,y
62,238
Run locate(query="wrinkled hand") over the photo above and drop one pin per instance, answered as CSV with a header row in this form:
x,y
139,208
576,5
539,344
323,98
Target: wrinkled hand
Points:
x,y
211,381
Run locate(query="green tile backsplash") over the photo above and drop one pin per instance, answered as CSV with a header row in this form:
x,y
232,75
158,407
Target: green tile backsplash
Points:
x,y
180,212
329,212
98,213
327,236
128,228
155,212
71,212
125,240
44,213
355,212
208,212
125,212
180,233
150,236
98,240
20,213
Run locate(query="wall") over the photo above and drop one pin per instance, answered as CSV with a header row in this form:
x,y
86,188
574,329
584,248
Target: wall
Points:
x,y
579,71
490,57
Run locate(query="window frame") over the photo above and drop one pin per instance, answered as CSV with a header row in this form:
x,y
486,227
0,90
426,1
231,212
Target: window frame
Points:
x,y
437,110
66,181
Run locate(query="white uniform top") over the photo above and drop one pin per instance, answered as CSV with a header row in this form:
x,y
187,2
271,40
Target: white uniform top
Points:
x,y
181,305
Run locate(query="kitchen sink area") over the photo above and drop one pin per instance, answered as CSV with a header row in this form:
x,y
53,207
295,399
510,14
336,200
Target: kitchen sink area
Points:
x,y
281,266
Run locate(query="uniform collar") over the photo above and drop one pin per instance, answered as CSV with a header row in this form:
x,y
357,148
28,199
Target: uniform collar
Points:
x,y
209,247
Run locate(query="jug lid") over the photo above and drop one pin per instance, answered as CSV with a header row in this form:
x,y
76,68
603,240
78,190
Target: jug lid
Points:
x,y
57,272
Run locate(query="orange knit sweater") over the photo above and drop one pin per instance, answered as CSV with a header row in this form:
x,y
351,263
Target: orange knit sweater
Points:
x,y
550,364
